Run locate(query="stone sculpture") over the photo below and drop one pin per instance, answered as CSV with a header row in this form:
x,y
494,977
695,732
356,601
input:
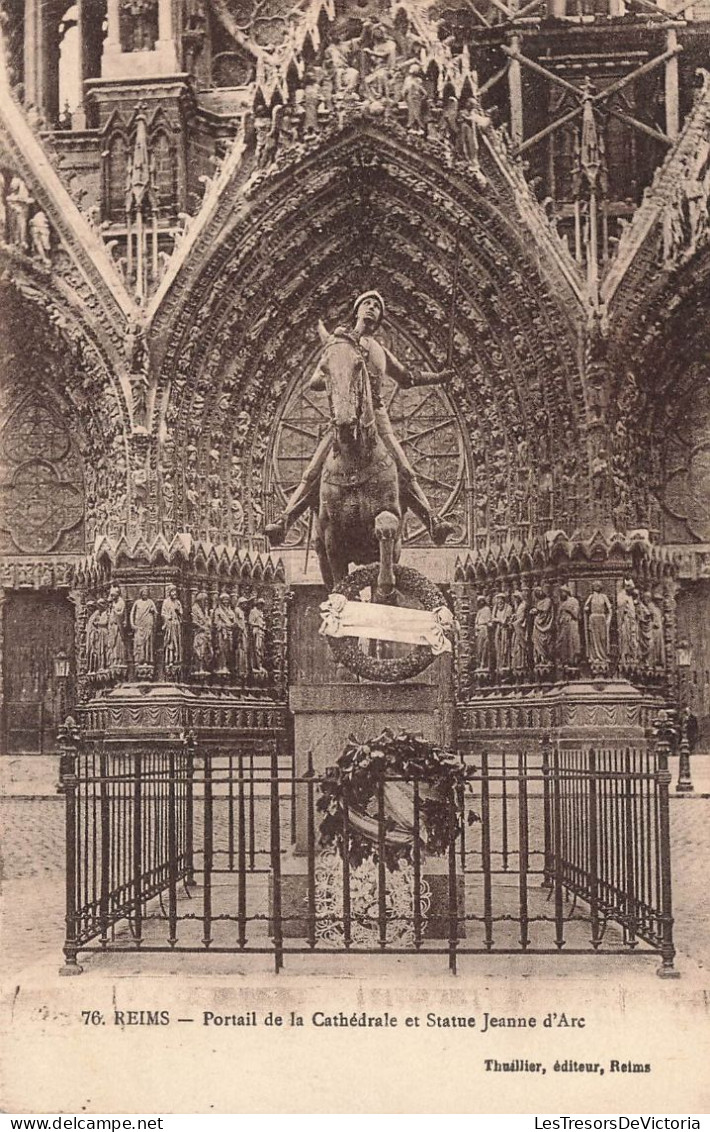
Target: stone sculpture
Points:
x,y
171,615
484,621
257,639
144,615
568,636
223,620
201,621
117,660
597,611
542,629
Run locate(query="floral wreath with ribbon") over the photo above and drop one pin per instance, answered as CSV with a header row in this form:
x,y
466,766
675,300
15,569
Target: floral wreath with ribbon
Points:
x,y
380,775
410,583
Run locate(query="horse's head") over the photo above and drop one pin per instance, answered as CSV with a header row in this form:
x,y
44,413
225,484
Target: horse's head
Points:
x,y
345,375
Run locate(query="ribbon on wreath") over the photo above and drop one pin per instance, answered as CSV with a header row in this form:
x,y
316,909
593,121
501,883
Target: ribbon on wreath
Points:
x,y
372,621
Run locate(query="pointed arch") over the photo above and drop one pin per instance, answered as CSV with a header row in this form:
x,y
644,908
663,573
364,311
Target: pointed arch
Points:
x,y
49,356
366,210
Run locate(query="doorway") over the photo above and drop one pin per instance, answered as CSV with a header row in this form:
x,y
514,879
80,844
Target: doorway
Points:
x,y
39,670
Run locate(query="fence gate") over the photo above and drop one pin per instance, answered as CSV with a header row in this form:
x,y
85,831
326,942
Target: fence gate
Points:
x,y
557,851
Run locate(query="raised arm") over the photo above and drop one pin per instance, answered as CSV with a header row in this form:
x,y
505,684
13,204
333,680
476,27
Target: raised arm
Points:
x,y
407,380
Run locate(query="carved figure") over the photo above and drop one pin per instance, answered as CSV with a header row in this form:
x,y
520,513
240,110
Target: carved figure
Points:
x,y
201,620
257,639
141,22
268,134
597,611
369,310
19,200
569,645
656,656
144,615
469,120
415,96
627,625
378,54
311,102
116,631
482,630
40,236
337,64
96,638
502,616
542,626
195,16
519,631
223,620
643,620
241,638
171,614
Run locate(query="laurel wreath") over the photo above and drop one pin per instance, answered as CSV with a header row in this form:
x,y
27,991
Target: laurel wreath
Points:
x,y
350,790
393,670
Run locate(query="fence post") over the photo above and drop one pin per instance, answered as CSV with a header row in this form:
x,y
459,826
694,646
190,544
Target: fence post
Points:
x,y
685,782
547,813
190,809
69,738
138,843
453,882
662,732
556,880
593,851
276,910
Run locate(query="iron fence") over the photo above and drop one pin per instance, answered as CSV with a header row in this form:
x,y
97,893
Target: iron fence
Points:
x,y
552,850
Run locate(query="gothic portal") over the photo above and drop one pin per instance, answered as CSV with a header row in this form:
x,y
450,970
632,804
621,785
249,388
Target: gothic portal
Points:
x,y
194,192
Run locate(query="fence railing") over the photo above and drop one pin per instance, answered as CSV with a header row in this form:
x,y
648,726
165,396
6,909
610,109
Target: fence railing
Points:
x,y
549,850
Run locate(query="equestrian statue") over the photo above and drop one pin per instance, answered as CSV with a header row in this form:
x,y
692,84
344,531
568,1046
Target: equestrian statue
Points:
x,y
359,482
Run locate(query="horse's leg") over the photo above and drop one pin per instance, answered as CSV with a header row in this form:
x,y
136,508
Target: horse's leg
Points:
x,y
387,530
319,546
337,560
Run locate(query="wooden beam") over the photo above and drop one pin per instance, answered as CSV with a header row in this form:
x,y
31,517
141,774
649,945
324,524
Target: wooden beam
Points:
x,y
672,99
515,92
549,129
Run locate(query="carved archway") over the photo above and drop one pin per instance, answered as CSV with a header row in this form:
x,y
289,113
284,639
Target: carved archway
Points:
x,y
661,398
56,382
367,209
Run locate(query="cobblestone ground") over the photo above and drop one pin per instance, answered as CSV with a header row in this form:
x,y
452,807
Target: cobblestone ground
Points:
x,y
32,928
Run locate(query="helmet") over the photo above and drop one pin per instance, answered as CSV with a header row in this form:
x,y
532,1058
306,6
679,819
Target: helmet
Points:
x,y
370,295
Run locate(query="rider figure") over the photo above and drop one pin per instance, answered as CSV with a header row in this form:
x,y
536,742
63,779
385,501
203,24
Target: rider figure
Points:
x,y
368,310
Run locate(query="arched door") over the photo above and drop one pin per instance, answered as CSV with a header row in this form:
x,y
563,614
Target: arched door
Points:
x,y
38,648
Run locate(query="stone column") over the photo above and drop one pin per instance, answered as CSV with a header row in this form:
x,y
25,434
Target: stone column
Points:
x,y
37,55
112,43
165,20
165,46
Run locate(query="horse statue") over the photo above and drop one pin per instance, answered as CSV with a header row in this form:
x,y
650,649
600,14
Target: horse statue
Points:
x,y
359,518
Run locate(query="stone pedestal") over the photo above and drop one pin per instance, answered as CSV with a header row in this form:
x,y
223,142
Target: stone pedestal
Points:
x,y
326,715
294,898
591,712
168,711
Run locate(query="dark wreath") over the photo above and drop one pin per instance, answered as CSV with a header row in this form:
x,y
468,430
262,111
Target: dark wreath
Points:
x,y
352,787
346,650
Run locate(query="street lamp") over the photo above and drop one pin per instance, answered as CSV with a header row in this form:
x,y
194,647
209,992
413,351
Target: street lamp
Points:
x,y
684,659
62,665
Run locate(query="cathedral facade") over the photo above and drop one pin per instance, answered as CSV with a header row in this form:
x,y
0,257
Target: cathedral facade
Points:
x,y
189,187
